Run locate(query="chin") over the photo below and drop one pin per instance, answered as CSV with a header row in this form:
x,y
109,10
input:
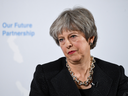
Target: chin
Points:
x,y
74,59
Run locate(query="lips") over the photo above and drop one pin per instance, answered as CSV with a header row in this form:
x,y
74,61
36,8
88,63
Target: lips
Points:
x,y
71,52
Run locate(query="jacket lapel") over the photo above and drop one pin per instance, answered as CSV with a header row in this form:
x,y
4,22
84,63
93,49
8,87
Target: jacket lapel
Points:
x,y
102,82
64,84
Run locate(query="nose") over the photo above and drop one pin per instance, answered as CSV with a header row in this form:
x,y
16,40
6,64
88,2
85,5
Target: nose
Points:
x,y
68,44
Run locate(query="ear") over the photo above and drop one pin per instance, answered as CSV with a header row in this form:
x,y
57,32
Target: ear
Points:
x,y
91,39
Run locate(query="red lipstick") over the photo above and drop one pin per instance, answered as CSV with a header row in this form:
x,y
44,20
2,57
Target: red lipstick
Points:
x,y
71,52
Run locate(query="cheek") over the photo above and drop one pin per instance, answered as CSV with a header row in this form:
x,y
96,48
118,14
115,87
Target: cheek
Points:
x,y
78,43
63,49
82,45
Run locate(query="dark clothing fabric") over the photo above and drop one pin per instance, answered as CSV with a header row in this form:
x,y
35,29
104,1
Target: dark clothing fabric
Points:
x,y
54,79
84,92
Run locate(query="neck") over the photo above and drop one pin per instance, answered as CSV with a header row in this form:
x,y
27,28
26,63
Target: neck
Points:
x,y
81,67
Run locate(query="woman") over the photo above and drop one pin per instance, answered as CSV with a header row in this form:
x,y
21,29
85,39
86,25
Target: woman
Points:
x,y
78,73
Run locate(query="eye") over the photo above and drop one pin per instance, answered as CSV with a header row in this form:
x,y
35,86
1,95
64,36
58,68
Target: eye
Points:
x,y
73,36
60,40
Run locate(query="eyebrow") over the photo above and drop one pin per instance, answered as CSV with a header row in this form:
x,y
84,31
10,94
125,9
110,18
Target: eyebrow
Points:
x,y
60,36
75,32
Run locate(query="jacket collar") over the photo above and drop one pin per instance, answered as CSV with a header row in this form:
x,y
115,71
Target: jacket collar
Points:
x,y
102,82
65,86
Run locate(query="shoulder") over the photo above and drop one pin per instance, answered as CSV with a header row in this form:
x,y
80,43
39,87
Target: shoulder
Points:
x,y
53,65
116,73
106,64
51,68
111,69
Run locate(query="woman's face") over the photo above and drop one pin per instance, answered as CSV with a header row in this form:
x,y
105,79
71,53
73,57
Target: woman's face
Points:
x,y
74,45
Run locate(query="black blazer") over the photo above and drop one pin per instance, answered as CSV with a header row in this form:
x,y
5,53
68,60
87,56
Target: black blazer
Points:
x,y
54,79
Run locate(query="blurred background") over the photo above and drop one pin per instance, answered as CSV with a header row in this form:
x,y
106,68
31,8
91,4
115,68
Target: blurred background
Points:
x,y
25,41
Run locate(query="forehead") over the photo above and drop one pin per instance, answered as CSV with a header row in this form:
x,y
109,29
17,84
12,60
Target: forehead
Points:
x,y
66,33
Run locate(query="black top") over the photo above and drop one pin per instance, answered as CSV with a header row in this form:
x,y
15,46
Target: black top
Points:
x,y
54,79
84,92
